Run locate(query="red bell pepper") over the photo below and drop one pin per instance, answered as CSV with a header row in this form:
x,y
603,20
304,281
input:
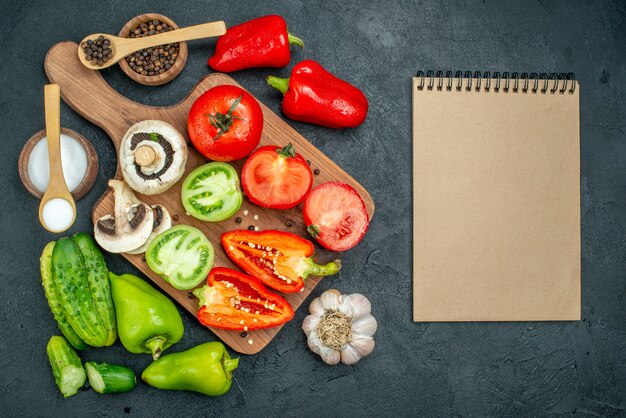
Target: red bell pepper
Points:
x,y
260,42
314,95
279,259
236,301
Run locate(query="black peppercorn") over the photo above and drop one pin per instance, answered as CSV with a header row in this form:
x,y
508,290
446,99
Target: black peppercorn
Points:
x,y
160,58
316,171
251,227
238,219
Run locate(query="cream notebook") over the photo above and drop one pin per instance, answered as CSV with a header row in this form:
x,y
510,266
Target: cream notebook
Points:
x,y
496,198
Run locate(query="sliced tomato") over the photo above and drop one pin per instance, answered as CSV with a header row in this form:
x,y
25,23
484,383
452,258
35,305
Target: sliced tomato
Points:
x,y
225,123
236,301
279,259
275,177
335,216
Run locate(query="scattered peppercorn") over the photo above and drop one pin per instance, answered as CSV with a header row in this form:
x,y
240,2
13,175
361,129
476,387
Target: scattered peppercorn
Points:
x,y
316,171
175,217
308,162
289,222
143,258
97,51
238,219
244,334
251,227
155,60
190,295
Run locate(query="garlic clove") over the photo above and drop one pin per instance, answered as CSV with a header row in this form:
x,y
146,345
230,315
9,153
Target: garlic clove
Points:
x,y
330,300
329,355
360,305
349,355
316,307
363,344
314,343
310,323
365,326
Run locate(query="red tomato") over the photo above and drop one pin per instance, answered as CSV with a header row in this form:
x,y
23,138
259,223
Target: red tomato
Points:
x,y
335,216
225,123
275,177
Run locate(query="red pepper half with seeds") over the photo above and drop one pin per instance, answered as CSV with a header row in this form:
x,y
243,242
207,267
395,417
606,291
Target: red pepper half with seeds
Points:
x,y
281,260
235,301
312,94
260,42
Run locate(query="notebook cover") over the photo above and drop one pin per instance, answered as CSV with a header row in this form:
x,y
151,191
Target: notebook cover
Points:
x,y
496,205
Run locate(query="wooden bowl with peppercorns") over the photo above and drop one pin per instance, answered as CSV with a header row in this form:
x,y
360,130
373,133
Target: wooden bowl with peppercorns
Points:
x,y
157,65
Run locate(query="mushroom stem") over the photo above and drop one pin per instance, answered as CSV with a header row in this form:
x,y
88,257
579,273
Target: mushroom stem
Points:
x,y
145,155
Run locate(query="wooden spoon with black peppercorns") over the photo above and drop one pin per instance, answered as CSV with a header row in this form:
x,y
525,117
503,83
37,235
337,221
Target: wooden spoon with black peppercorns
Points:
x,y
99,50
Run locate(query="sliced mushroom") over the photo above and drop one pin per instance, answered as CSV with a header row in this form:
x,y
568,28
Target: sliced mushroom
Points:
x,y
162,222
153,155
129,227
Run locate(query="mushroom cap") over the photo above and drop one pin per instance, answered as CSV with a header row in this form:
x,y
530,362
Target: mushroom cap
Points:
x,y
129,227
170,150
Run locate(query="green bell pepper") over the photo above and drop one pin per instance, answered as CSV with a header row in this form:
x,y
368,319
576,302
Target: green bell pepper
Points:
x,y
147,321
206,368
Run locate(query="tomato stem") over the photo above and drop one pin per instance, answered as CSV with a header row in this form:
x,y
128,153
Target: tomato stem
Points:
x,y
223,122
287,151
313,230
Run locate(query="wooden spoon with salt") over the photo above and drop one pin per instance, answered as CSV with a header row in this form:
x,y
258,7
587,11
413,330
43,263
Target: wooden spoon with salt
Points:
x,y
122,47
57,201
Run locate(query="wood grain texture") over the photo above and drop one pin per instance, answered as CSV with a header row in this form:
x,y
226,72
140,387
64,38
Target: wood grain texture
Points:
x,y
87,93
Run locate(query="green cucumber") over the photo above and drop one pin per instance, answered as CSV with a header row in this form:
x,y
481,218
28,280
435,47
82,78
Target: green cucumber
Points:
x,y
110,378
67,369
98,278
70,280
45,266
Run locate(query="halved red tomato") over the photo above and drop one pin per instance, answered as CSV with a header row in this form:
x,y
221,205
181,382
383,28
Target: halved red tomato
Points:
x,y
236,301
275,177
335,216
225,123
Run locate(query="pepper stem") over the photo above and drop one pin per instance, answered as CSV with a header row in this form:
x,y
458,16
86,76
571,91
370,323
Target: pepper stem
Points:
x,y
281,84
322,270
295,40
230,364
155,345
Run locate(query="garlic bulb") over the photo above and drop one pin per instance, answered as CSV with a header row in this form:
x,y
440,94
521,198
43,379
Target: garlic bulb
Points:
x,y
340,327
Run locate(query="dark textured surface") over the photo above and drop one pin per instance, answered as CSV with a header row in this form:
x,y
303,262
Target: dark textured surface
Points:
x,y
416,369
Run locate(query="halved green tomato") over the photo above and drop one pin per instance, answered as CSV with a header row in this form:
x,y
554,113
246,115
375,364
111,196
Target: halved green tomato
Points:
x,y
182,256
211,192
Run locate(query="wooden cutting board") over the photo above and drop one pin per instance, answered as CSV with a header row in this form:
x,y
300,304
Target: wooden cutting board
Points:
x,y
90,95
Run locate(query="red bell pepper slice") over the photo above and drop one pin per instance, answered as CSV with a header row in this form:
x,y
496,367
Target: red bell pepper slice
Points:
x,y
235,301
281,260
260,42
314,95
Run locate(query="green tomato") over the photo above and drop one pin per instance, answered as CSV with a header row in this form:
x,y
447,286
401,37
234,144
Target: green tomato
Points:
x,y
182,256
211,192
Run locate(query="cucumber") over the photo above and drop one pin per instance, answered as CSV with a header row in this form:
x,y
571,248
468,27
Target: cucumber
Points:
x,y
110,378
45,266
67,369
70,281
98,278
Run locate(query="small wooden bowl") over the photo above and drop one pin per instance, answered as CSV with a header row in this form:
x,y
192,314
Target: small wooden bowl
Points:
x,y
167,76
92,164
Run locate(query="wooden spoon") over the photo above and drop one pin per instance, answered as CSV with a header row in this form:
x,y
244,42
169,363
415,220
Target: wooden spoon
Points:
x,y
57,189
122,47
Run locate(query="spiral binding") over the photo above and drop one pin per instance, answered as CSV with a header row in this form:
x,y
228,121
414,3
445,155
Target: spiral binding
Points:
x,y
505,81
